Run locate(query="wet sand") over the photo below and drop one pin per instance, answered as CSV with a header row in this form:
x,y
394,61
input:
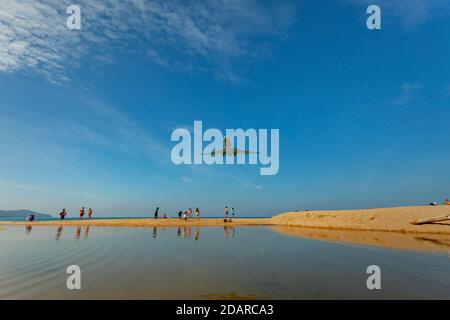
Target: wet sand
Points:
x,y
394,240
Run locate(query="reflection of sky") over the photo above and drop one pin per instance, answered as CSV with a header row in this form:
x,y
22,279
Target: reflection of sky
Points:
x,y
167,263
86,116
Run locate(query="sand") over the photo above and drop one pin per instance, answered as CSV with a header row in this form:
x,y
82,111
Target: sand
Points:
x,y
382,219
396,240
385,227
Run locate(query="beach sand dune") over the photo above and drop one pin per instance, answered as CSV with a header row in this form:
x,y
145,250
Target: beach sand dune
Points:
x,y
381,219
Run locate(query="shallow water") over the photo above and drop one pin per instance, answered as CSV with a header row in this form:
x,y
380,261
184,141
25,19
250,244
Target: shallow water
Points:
x,y
207,263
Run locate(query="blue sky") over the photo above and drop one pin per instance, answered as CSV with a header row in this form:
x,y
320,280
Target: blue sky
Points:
x,y
86,116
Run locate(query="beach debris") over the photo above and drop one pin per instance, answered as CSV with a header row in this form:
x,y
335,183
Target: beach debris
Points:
x,y
431,220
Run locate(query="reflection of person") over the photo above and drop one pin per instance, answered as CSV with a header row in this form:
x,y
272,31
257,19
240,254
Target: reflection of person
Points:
x,y
179,230
86,232
154,233
58,233
78,232
227,232
197,233
63,214
28,229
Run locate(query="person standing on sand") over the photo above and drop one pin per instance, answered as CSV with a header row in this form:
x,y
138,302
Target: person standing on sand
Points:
x,y
232,214
180,213
156,212
81,213
90,213
190,213
197,213
63,214
226,214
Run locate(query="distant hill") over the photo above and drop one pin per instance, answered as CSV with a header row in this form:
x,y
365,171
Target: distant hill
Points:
x,y
21,214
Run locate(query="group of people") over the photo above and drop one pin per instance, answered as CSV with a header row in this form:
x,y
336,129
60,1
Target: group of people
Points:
x,y
188,214
64,213
227,215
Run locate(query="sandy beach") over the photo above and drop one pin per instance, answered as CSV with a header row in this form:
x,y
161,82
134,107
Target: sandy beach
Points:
x,y
382,227
396,219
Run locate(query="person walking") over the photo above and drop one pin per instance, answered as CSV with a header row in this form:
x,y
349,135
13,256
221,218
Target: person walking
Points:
x,y
197,213
156,212
90,213
63,214
226,214
81,213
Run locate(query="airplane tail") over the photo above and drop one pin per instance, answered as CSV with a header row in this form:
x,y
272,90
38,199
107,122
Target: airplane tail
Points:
x,y
227,144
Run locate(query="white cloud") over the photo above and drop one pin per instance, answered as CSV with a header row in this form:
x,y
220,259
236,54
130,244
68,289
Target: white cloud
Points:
x,y
214,34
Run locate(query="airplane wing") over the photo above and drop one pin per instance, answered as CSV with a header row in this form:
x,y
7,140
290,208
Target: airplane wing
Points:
x,y
239,151
220,152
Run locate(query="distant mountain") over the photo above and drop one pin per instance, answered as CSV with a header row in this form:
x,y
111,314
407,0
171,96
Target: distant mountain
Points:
x,y
21,214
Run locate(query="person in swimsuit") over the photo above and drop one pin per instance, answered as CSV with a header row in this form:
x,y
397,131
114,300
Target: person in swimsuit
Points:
x,y
90,213
81,213
226,214
197,213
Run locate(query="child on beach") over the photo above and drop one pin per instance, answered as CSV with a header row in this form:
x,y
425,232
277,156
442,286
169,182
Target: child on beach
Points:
x,y
81,213
90,213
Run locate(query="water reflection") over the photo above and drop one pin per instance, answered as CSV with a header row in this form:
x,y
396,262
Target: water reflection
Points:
x,y
78,233
227,230
28,229
154,232
58,233
86,232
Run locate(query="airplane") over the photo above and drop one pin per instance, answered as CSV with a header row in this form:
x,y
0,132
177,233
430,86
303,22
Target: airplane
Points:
x,y
228,150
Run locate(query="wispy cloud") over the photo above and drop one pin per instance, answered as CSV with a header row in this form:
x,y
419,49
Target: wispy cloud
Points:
x,y
51,191
409,92
213,34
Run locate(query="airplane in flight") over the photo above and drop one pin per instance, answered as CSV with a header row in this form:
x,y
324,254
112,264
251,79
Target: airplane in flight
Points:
x,y
228,150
